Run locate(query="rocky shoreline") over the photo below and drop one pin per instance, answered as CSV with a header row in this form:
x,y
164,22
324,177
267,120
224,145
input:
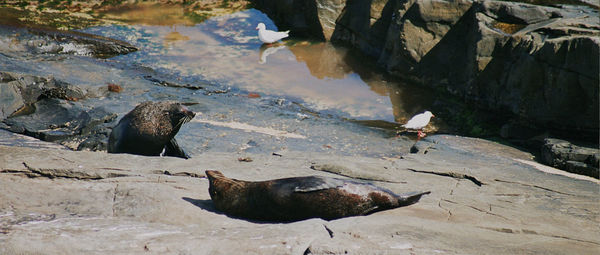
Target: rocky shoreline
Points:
x,y
486,199
518,60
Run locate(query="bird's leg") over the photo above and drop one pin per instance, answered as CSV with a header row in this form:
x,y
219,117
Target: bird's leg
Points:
x,y
421,134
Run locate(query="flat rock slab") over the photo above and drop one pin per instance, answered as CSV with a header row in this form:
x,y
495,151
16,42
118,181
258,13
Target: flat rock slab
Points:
x,y
486,199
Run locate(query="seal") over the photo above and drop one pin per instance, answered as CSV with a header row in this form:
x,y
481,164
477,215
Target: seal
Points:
x,y
299,198
149,129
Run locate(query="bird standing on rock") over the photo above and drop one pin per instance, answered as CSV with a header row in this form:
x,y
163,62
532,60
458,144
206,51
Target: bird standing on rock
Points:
x,y
418,122
269,36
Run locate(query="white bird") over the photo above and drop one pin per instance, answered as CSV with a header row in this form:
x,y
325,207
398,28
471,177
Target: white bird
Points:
x,y
418,122
269,36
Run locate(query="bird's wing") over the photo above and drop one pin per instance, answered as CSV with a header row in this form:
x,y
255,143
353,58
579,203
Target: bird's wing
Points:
x,y
272,35
418,121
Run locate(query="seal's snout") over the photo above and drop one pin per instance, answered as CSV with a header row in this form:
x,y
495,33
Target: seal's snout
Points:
x,y
187,112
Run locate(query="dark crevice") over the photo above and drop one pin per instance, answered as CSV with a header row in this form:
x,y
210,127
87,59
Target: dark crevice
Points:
x,y
451,174
329,231
307,251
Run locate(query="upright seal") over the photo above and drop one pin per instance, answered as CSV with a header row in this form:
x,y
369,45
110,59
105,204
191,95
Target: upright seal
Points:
x,y
150,129
299,198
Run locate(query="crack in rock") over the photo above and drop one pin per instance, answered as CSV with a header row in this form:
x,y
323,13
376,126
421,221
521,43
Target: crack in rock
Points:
x,y
476,209
531,232
342,171
114,199
194,175
51,173
329,231
451,174
58,173
535,186
448,210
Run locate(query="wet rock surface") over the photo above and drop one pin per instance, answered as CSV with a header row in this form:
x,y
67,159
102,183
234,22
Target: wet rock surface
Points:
x,y
162,205
27,41
71,124
21,92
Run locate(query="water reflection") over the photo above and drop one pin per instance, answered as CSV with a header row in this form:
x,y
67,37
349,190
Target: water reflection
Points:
x,y
268,49
225,50
150,14
173,37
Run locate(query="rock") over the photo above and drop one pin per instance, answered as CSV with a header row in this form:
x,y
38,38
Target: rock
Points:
x,y
40,107
63,122
78,43
567,156
48,41
314,19
10,99
21,91
397,33
158,205
515,59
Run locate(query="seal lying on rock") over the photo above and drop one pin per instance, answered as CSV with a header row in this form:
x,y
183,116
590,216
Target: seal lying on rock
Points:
x,y
150,129
299,198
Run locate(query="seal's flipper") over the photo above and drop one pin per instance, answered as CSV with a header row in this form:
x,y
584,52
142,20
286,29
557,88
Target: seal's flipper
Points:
x,y
172,149
411,197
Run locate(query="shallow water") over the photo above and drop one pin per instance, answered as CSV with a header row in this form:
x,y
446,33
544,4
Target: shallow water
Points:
x,y
225,51
297,95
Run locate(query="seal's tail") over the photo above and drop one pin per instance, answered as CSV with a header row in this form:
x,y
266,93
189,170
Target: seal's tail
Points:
x,y
411,197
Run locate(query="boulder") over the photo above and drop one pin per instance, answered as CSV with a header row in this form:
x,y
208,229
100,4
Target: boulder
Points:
x,y
301,17
61,121
397,33
20,91
518,59
567,156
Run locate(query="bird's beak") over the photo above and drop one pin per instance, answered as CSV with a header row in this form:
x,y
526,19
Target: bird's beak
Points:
x,y
432,115
256,28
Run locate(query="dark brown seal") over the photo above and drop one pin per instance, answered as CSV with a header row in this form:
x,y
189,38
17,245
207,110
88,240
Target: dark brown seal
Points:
x,y
150,129
299,198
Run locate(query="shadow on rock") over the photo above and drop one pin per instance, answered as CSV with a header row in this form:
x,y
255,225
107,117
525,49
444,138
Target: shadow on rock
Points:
x,y
204,204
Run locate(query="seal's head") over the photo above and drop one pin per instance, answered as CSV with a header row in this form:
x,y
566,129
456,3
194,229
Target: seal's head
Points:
x,y
178,114
225,193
